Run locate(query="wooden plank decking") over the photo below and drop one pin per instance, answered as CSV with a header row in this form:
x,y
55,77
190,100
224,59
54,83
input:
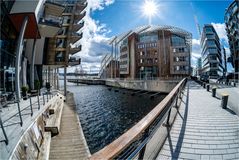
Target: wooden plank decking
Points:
x,y
70,142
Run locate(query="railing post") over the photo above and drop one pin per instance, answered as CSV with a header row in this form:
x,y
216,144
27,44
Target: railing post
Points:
x,y
38,101
19,112
168,118
3,130
176,103
142,151
31,105
43,99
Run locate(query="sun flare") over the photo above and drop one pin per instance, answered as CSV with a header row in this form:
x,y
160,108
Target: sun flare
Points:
x,y
149,9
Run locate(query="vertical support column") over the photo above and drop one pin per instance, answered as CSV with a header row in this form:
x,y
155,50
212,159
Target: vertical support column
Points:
x,y
115,59
57,82
18,57
112,55
65,72
54,75
49,74
33,64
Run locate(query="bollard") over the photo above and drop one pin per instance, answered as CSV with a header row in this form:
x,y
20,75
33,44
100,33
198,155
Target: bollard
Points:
x,y
204,85
208,87
224,101
214,89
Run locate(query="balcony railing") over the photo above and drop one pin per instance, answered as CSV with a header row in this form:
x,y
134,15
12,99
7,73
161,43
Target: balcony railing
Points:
x,y
78,16
51,21
81,6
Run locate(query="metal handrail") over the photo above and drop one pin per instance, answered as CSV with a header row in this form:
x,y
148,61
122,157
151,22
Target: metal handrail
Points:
x,y
142,132
20,114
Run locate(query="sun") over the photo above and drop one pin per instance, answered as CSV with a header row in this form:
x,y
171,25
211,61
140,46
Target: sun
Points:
x,y
149,9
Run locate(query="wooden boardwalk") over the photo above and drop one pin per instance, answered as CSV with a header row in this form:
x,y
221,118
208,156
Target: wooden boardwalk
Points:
x,y
70,143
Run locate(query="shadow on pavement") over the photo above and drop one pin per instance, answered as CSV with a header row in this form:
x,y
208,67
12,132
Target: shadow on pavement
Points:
x,y
175,153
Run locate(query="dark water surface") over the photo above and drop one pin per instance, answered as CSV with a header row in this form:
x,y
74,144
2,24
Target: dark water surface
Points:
x,y
105,115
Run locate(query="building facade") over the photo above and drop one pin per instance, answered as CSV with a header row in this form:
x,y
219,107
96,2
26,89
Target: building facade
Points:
x,y
212,65
8,42
232,28
151,52
37,37
109,67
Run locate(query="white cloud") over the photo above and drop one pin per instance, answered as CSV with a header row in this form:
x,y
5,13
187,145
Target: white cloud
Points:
x,y
196,51
221,31
94,40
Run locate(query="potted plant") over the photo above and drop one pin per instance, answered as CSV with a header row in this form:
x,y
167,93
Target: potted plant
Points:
x,y
37,85
24,92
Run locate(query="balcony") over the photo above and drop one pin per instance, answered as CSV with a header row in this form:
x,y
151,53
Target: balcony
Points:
x,y
73,61
77,27
75,50
49,25
78,17
54,9
81,6
50,19
22,9
60,49
76,37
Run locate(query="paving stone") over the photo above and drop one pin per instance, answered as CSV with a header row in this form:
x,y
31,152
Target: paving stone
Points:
x,y
229,156
205,157
209,131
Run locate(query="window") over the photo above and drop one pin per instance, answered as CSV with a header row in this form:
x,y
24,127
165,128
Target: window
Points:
x,y
148,37
155,52
59,56
211,43
209,29
177,40
156,60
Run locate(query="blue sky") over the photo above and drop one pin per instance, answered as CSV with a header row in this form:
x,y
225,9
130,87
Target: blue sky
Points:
x,y
107,18
123,15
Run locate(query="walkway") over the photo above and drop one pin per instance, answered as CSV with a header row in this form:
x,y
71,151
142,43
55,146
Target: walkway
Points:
x,y
12,127
70,143
202,129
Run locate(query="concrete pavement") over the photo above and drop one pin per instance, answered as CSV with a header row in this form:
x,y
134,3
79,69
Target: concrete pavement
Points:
x,y
202,129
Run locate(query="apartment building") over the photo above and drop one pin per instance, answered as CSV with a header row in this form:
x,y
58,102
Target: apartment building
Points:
x,y
150,52
37,37
212,65
232,27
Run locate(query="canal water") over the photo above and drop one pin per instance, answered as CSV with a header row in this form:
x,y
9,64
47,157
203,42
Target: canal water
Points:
x,y
105,115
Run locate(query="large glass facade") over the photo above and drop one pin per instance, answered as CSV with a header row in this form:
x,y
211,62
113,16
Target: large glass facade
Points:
x,y
148,37
178,41
8,46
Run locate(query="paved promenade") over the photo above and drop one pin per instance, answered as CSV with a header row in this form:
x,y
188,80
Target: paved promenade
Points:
x,y
12,126
70,143
202,129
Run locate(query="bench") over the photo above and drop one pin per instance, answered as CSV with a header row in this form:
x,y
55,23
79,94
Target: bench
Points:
x,y
45,146
54,120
